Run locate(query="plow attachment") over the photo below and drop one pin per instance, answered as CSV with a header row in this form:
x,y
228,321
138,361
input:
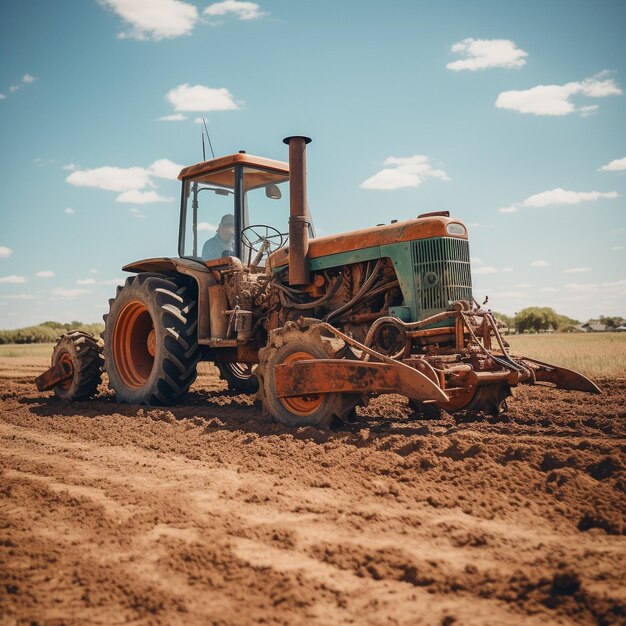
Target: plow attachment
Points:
x,y
304,378
561,377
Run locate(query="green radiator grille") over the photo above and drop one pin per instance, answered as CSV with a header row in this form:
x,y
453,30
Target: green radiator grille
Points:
x,y
442,273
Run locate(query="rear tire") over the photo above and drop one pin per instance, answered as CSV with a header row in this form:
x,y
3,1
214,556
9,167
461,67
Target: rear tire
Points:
x,y
82,351
150,340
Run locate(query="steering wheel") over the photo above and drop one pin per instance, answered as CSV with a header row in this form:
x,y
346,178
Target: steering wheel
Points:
x,y
262,239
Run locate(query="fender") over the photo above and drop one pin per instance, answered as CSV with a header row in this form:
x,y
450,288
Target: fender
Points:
x,y
203,276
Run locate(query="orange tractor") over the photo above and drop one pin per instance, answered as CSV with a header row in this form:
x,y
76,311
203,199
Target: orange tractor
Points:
x,y
314,325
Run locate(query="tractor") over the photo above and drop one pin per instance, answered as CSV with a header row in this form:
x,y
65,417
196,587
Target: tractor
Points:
x,y
315,326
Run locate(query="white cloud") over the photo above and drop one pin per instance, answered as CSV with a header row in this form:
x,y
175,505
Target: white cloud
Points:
x,y
2,96
45,274
164,168
200,98
486,269
617,248
540,263
135,212
19,296
69,211
590,109
111,178
577,270
559,196
12,280
617,165
484,53
13,88
113,281
206,226
156,19
476,260
27,78
506,269
177,117
93,271
406,172
86,281
548,289
242,10
556,99
71,167
5,252
130,181
135,196
523,285
68,293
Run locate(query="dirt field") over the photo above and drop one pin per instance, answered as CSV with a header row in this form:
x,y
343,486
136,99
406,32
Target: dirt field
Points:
x,y
213,514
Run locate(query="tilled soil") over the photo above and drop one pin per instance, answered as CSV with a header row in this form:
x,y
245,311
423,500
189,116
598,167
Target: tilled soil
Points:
x,y
211,513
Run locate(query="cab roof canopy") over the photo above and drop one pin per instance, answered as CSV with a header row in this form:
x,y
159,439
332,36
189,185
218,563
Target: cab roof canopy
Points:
x,y
220,171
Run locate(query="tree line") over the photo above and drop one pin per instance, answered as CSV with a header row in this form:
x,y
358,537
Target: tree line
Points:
x,y
535,319
48,332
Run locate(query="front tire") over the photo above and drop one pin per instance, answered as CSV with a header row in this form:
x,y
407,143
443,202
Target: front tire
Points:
x,y
150,340
287,345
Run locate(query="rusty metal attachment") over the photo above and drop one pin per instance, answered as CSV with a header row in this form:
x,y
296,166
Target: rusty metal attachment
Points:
x,y
58,374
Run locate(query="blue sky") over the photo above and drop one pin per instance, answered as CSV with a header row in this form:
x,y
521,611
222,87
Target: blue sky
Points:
x,y
510,115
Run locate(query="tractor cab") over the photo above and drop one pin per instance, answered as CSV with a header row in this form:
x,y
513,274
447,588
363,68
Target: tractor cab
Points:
x,y
237,205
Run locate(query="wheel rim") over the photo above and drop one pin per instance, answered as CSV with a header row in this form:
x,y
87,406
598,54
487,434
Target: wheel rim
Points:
x,y
302,405
66,357
134,344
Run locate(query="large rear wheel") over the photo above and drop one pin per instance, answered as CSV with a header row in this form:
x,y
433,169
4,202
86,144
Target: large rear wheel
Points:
x,y
150,342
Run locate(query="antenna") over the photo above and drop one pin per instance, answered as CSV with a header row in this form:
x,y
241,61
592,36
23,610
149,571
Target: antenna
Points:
x,y
203,153
208,137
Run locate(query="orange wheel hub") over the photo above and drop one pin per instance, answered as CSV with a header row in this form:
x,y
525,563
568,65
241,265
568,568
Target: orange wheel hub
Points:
x,y
302,405
134,344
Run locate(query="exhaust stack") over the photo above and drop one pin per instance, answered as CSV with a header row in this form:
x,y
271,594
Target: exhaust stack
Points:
x,y
298,212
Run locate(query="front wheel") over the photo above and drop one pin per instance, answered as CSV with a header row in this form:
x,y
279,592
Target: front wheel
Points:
x,y
150,342
288,345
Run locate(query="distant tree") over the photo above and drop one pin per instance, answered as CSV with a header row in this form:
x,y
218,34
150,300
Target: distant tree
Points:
x,y
535,319
611,322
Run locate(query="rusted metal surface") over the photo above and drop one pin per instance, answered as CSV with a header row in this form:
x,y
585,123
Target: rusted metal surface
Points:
x,y
320,376
562,377
377,236
61,372
231,160
218,304
298,212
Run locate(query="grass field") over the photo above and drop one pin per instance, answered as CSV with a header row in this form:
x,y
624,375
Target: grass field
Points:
x,y
594,354
26,350
597,354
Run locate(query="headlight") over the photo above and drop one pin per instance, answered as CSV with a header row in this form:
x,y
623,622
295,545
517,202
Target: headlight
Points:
x,y
455,229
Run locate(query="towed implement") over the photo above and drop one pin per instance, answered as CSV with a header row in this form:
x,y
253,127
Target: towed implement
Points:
x,y
314,325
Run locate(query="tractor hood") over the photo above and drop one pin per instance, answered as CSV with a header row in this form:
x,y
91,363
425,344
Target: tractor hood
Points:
x,y
353,241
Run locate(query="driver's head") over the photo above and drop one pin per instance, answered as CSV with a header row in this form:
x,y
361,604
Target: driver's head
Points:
x,y
226,228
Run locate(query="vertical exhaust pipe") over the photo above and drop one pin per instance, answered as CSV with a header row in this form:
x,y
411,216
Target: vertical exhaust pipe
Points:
x,y
298,212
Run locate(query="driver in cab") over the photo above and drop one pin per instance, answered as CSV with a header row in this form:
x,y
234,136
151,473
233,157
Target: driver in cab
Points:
x,y
223,241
